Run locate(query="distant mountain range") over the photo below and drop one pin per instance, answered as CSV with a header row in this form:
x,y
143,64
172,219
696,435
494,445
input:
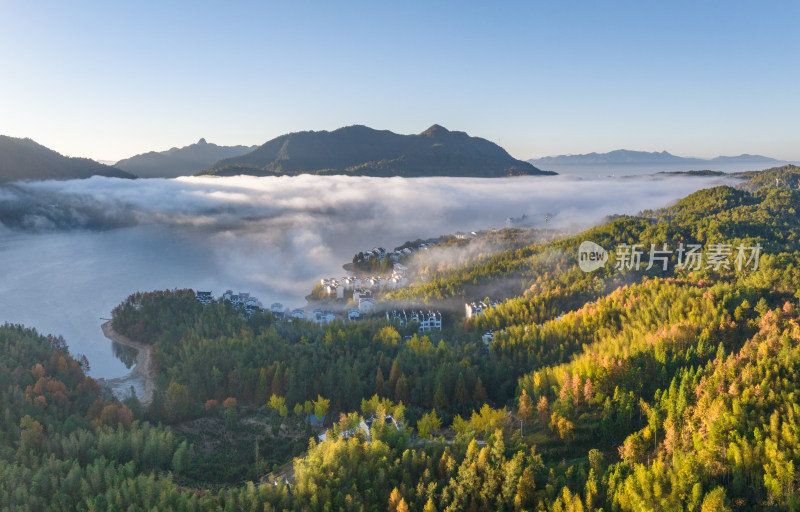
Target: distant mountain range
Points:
x,y
24,159
184,161
624,156
363,151
352,150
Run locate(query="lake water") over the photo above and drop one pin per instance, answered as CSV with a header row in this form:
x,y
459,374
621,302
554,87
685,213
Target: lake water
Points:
x,y
71,251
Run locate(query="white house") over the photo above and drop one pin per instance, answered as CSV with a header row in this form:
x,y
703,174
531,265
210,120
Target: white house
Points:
x,y
364,426
427,320
323,317
430,321
330,286
361,294
242,300
204,297
365,305
277,310
477,308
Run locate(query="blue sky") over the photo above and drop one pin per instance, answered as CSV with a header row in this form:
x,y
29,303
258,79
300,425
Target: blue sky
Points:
x,y
111,79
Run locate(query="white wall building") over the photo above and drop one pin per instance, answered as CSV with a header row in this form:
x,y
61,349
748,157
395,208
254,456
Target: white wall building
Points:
x,y
366,305
477,308
427,320
204,297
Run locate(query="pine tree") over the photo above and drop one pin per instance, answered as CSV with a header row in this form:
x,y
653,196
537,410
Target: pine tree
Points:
x,y
379,382
525,406
461,395
401,392
479,393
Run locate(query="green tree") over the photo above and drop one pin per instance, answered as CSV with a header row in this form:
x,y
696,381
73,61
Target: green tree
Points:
x,y
428,423
321,406
525,406
177,401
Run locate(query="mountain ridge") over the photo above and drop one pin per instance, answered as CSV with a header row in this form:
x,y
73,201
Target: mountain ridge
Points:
x,y
179,161
625,156
26,159
363,151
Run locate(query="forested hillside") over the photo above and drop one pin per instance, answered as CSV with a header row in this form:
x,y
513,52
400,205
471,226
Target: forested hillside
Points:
x,y
626,389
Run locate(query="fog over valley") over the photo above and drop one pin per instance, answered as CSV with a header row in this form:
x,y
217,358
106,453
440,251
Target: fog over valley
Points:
x,y
72,250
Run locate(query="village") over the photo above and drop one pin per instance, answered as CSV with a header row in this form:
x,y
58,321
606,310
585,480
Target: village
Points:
x,y
354,297
425,320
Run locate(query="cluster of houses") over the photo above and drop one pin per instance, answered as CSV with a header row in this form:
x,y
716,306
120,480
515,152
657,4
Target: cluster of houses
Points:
x,y
376,253
280,314
323,316
379,253
242,300
250,305
398,255
477,308
427,320
474,309
334,287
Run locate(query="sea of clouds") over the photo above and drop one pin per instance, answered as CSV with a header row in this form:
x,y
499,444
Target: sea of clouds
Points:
x,y
71,250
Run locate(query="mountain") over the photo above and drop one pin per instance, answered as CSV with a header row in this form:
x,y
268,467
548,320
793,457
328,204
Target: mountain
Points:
x,y
624,156
183,161
363,151
24,159
745,158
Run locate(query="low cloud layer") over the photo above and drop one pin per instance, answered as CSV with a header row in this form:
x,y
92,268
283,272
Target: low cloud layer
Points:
x,y
247,204
72,250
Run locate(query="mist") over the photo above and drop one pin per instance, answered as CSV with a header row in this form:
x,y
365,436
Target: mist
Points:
x,y
72,250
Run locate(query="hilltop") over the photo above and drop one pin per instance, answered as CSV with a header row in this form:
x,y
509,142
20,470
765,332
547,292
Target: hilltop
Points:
x,y
175,162
363,151
24,159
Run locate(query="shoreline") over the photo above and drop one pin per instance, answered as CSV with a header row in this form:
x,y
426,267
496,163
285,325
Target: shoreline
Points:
x,y
143,367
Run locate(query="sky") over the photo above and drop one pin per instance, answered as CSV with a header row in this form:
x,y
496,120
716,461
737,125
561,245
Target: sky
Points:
x,y
108,80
